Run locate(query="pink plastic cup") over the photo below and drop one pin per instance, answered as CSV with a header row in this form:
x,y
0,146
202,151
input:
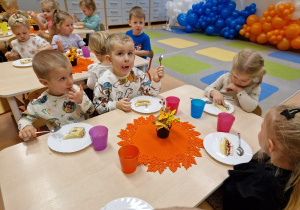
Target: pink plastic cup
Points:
x,y
225,121
85,51
173,103
128,155
99,137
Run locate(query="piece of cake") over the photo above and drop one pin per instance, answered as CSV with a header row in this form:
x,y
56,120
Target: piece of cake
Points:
x,y
142,103
25,61
226,147
75,132
222,108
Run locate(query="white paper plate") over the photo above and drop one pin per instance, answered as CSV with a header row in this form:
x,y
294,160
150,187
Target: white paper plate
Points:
x,y
18,63
79,52
8,34
212,146
56,143
127,203
154,107
78,27
212,109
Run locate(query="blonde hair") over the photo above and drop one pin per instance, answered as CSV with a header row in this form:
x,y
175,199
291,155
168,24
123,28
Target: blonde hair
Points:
x,y
17,20
97,42
250,62
287,133
116,38
90,4
48,60
137,12
7,4
54,5
59,17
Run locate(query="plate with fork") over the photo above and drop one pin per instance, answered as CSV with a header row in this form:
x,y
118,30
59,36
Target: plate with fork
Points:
x,y
146,104
214,110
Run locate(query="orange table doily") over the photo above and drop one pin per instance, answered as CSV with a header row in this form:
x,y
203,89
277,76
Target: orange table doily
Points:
x,y
178,149
32,31
82,64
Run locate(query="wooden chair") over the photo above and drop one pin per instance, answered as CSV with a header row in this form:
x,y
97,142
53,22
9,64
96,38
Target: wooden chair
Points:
x,y
150,55
10,40
102,27
257,111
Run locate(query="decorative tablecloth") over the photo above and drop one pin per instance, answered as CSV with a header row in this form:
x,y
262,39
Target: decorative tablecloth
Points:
x,y
178,149
82,65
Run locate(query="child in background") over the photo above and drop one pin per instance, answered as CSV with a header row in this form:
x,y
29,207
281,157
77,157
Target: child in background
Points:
x,y
91,20
62,103
118,85
11,7
63,22
242,85
25,46
141,40
48,7
97,46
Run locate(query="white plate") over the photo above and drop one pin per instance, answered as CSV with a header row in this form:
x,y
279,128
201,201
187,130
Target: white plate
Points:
x,y
212,109
127,203
153,107
79,27
8,34
212,146
79,52
56,142
18,63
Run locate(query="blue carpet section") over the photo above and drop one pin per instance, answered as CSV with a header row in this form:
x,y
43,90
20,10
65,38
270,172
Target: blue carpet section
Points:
x,y
288,56
266,89
177,30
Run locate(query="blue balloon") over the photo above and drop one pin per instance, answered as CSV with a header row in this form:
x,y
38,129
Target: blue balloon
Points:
x,y
192,19
215,2
188,28
229,20
226,34
226,12
220,23
252,11
210,30
222,31
181,19
197,26
203,25
241,20
189,12
231,36
235,13
253,5
208,5
231,31
214,9
231,5
233,24
238,27
211,14
200,11
207,11
246,13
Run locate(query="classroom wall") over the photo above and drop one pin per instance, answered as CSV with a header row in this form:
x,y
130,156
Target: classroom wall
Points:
x,y
34,5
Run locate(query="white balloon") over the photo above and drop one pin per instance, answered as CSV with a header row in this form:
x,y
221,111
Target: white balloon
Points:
x,y
297,6
296,15
179,4
172,22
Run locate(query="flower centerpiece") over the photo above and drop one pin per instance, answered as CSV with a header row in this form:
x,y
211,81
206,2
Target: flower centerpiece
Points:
x,y
164,120
72,56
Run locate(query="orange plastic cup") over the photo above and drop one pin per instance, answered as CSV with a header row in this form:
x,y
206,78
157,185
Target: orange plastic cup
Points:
x,y
128,155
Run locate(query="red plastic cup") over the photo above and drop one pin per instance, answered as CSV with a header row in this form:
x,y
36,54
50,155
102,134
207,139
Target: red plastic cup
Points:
x,y
85,51
173,103
99,137
225,121
128,155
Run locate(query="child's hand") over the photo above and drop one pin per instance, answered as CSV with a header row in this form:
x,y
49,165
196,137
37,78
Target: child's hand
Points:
x,y
124,104
159,73
75,96
59,45
11,56
32,14
75,17
233,87
218,98
41,33
27,132
80,24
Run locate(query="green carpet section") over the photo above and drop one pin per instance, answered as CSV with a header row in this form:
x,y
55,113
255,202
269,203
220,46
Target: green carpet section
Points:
x,y
155,35
244,45
184,65
281,71
206,37
157,50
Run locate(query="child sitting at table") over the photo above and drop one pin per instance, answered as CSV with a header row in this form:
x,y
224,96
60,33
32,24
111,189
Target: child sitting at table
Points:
x,y
242,85
63,22
91,20
48,8
141,40
11,7
97,46
25,46
118,85
62,103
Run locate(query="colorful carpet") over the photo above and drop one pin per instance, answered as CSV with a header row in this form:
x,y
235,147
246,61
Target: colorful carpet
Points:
x,y
198,59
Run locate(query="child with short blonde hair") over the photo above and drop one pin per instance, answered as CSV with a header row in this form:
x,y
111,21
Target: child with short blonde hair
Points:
x,y
62,103
242,85
11,7
25,46
97,46
63,22
118,85
141,40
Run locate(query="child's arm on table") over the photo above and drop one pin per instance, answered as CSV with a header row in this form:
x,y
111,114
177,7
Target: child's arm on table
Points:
x,y
93,23
212,91
124,104
25,123
11,55
47,47
81,99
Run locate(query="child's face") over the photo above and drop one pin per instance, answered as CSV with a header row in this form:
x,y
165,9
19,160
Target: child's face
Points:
x,y
122,58
66,27
47,12
240,79
87,12
60,81
21,32
12,10
137,24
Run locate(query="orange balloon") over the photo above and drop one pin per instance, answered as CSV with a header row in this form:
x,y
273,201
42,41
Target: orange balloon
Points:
x,y
295,43
269,19
280,8
292,31
279,37
271,7
273,13
262,19
252,19
278,22
248,28
273,38
284,44
282,32
267,27
286,12
287,5
256,28
247,34
244,26
269,34
262,38
242,32
292,9
253,38
266,13
276,32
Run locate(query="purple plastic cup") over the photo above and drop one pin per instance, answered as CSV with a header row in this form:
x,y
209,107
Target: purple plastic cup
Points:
x,y
99,137
85,51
